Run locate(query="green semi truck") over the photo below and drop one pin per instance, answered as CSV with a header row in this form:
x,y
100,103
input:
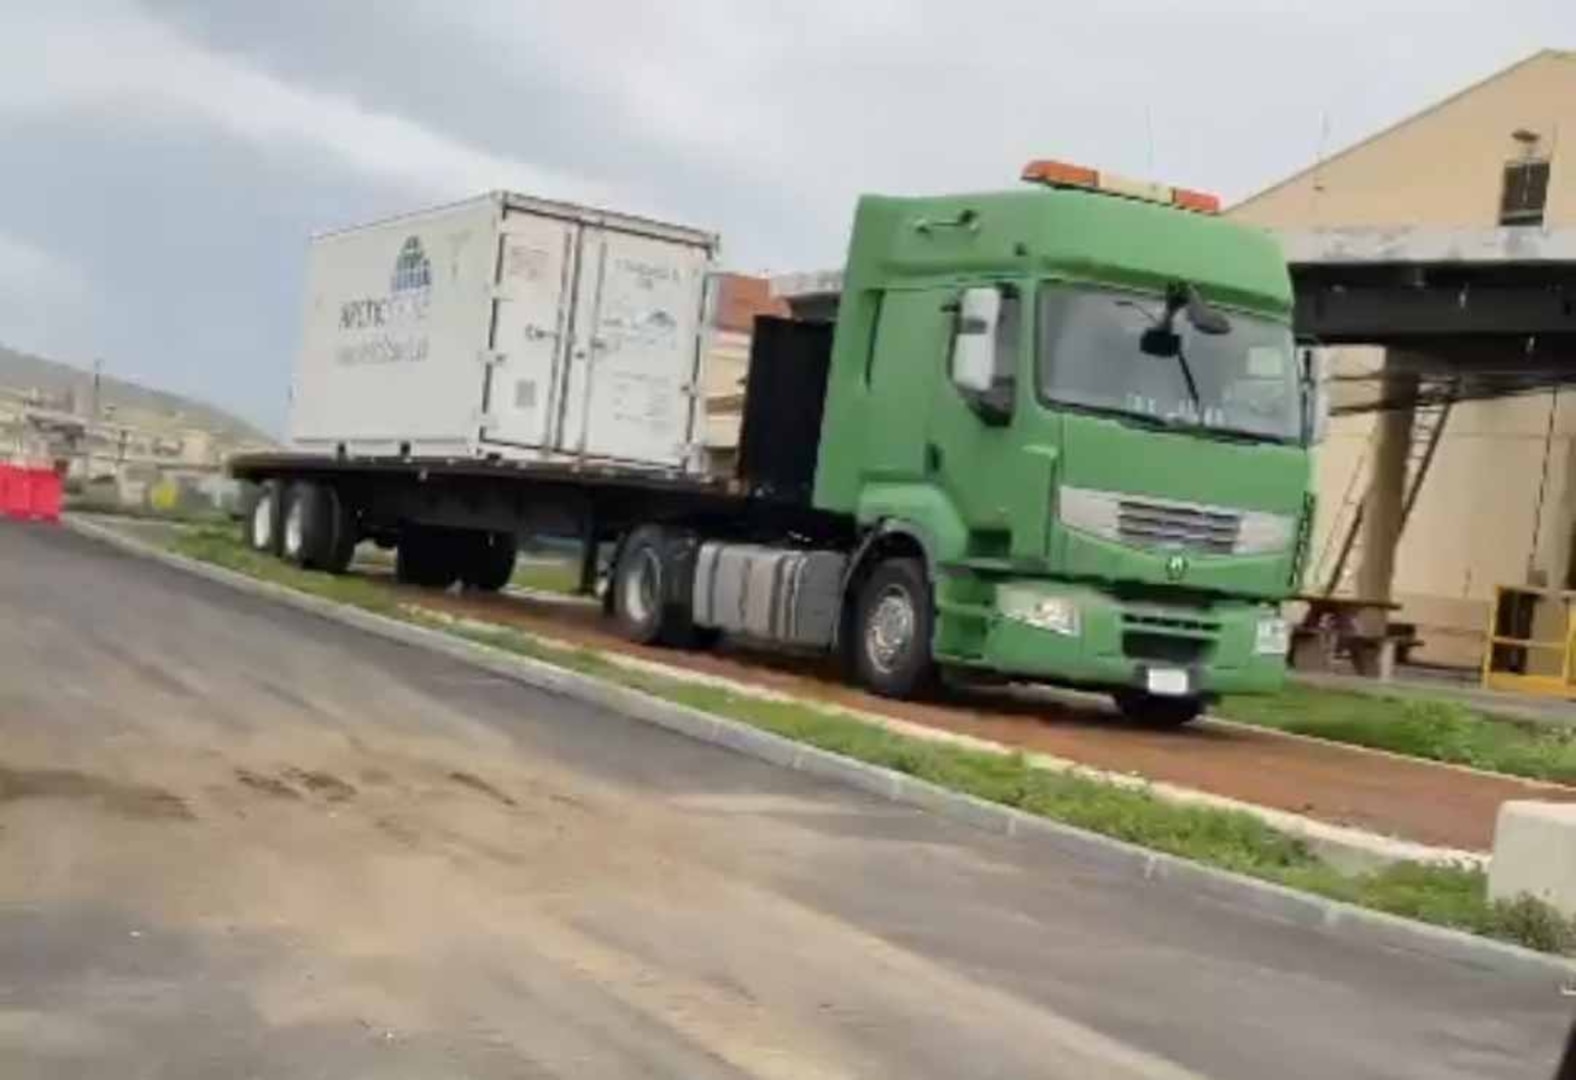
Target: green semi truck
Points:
x,y
1057,434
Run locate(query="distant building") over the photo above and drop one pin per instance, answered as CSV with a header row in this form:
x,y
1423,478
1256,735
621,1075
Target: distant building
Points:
x,y
738,300
1498,504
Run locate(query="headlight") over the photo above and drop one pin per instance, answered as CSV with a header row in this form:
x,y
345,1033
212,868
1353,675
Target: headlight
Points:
x,y
1271,637
1057,614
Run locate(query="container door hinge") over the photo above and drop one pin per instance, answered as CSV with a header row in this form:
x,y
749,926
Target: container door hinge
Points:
x,y
490,358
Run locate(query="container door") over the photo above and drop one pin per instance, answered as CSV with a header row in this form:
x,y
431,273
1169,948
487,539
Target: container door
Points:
x,y
530,328
630,394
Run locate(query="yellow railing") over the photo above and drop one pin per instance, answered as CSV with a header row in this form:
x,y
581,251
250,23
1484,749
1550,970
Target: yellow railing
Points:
x,y
1529,641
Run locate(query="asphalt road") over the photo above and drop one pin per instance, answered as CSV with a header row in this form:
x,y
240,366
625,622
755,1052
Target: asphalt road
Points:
x,y
236,840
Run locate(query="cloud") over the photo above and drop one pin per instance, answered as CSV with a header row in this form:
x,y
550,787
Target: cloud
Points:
x,y
30,269
119,63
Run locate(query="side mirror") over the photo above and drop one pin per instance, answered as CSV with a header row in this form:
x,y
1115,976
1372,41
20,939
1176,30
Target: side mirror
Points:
x,y
1159,341
1205,319
974,344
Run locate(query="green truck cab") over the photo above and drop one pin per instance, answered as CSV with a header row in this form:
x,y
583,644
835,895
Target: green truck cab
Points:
x,y
1084,416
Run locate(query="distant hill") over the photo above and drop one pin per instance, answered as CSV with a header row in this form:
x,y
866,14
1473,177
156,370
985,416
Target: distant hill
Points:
x,y
25,372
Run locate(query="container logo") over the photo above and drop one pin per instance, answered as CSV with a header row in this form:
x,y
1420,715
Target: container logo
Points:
x,y
390,329
411,269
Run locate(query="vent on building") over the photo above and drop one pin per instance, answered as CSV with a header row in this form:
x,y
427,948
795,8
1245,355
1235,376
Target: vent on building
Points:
x,y
1525,192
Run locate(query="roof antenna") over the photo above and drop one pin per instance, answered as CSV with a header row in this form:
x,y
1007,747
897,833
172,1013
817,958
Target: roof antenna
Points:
x,y
1318,167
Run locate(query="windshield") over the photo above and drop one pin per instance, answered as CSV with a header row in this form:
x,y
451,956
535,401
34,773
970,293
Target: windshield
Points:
x,y
1089,355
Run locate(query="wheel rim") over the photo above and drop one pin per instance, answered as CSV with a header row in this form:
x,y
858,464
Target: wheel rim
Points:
x,y
641,585
294,527
263,523
890,630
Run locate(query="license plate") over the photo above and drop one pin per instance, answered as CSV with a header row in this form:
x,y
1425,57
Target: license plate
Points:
x,y
1171,682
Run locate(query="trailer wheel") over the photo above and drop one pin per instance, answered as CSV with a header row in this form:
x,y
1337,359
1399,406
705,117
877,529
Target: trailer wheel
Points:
x,y
426,557
489,560
346,534
311,528
650,589
892,630
263,524
1152,710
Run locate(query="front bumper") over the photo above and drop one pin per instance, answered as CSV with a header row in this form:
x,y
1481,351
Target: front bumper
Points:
x,y
1120,641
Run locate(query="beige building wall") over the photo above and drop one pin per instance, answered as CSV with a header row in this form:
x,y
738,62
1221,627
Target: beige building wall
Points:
x,y
1500,498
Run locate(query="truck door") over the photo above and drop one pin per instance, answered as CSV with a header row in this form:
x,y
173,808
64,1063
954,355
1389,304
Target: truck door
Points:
x,y
630,390
530,328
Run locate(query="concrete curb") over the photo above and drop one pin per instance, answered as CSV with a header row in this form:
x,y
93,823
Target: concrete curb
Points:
x,y
1140,865
1349,849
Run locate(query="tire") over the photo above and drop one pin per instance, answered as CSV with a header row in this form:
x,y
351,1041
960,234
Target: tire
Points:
x,y
489,561
309,532
426,557
265,523
892,631
650,588
1153,711
346,534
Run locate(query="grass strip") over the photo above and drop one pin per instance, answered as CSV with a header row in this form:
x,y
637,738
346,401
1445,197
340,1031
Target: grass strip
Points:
x,y
1227,839
1419,727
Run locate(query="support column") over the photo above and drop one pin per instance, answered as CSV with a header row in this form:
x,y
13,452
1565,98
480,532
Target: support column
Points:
x,y
1382,520
1551,561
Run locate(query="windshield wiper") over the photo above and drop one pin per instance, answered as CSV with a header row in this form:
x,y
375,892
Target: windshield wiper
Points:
x,y
1187,377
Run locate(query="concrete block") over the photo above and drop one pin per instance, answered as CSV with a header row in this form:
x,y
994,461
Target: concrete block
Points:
x,y
1535,853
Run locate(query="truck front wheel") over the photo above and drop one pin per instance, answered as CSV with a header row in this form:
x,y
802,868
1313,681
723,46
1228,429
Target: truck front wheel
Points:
x,y
1152,710
892,630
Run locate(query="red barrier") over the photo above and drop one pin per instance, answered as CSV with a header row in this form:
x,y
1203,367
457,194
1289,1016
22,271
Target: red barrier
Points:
x,y
13,491
30,493
43,501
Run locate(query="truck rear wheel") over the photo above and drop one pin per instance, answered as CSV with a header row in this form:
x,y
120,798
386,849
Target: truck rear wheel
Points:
x,y
489,560
1153,710
892,631
263,524
650,598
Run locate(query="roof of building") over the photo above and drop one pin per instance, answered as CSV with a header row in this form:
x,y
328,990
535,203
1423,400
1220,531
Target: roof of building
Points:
x,y
740,298
1541,55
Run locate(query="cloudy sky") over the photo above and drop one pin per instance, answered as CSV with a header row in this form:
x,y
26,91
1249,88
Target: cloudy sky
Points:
x,y
162,163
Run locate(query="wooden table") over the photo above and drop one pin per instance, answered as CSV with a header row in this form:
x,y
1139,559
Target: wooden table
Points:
x,y
1332,626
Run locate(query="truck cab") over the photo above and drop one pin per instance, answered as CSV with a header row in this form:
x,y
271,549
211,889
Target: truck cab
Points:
x,y
1079,408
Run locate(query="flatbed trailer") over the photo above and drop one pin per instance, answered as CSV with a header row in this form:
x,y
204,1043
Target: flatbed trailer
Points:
x,y
390,498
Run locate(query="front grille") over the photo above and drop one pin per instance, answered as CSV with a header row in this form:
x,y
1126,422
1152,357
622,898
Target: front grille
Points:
x,y
1171,622
1177,526
1166,648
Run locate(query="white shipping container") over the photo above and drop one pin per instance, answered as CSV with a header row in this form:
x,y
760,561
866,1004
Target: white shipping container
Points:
x,y
507,326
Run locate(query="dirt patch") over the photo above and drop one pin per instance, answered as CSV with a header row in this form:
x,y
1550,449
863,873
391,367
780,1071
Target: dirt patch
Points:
x,y
267,785
477,784
322,784
114,796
